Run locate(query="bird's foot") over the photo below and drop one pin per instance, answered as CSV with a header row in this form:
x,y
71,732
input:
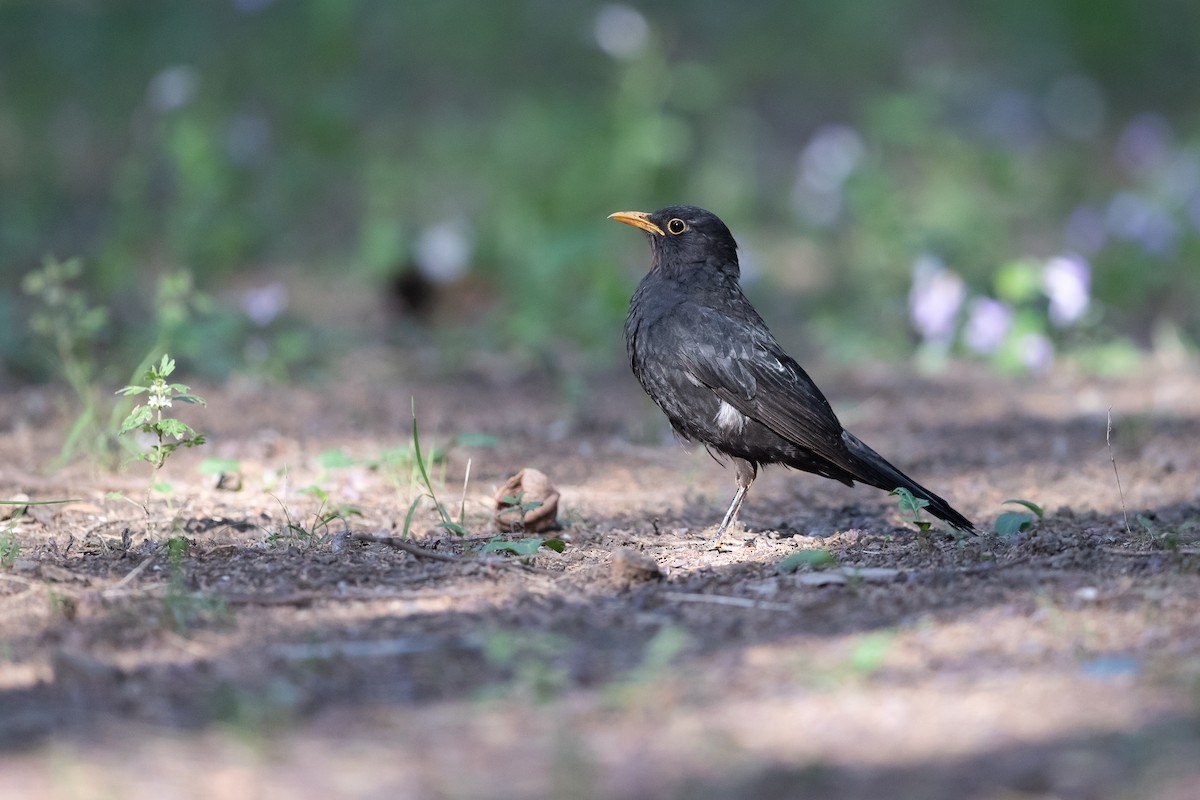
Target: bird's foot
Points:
x,y
724,533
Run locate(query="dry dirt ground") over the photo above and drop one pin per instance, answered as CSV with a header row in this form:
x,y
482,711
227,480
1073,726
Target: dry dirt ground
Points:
x,y
257,660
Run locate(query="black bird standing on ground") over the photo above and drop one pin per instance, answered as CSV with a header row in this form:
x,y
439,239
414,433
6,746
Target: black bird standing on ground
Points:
x,y
705,356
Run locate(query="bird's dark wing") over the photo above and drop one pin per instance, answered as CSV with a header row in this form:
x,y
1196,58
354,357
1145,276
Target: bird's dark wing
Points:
x,y
744,366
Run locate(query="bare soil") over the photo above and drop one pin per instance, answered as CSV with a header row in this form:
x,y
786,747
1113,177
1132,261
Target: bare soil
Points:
x,y
276,655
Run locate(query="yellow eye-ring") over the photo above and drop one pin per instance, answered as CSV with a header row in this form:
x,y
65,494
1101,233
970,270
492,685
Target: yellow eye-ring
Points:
x,y
677,226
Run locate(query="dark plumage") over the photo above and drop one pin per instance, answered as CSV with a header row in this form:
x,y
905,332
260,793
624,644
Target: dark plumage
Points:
x,y
705,356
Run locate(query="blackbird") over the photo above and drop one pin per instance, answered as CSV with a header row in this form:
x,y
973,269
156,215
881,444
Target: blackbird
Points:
x,y
705,356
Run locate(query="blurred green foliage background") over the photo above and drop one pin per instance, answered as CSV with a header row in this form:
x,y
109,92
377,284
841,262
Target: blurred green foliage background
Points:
x,y
868,156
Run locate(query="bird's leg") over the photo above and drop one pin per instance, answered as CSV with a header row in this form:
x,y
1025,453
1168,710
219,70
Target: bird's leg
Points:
x,y
746,472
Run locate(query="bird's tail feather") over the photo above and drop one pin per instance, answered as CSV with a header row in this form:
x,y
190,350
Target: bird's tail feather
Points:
x,y
874,469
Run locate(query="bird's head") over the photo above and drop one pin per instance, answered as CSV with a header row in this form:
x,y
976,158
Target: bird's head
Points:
x,y
685,238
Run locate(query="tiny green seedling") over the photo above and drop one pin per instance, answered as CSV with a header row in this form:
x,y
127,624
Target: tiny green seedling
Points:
x,y
912,505
516,505
1011,523
319,531
148,417
813,558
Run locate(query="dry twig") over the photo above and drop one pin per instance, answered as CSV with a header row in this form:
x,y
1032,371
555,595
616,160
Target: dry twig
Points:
x,y
400,544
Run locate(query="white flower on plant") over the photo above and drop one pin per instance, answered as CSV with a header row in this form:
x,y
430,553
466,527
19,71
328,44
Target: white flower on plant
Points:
x,y
935,298
159,394
1066,280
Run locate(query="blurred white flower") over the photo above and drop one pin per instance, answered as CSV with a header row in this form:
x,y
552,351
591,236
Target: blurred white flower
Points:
x,y
1066,280
172,88
832,154
935,298
263,304
621,30
988,322
443,252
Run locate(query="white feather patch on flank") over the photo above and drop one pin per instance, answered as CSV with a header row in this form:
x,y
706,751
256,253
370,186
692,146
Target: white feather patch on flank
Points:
x,y
729,418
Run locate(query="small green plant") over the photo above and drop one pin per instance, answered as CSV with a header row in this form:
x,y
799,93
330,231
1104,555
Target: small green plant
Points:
x,y
148,417
816,559
1011,523
447,522
63,317
319,531
524,548
10,548
912,505
1171,538
517,506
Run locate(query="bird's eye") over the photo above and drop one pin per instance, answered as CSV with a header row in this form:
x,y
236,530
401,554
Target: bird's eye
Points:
x,y
677,226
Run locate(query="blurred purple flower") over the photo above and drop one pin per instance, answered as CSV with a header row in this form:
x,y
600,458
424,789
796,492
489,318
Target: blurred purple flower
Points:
x,y
1036,352
935,298
1137,218
263,304
1144,143
1066,280
1084,232
988,322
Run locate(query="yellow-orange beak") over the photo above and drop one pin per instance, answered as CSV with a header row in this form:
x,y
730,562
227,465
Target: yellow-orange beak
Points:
x,y
638,219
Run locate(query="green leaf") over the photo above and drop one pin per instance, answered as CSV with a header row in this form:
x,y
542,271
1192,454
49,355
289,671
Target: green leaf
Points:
x,y
408,518
523,547
315,491
813,558
909,502
1013,522
219,466
132,390
335,459
1018,281
170,426
137,418
393,455
1034,507
191,399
